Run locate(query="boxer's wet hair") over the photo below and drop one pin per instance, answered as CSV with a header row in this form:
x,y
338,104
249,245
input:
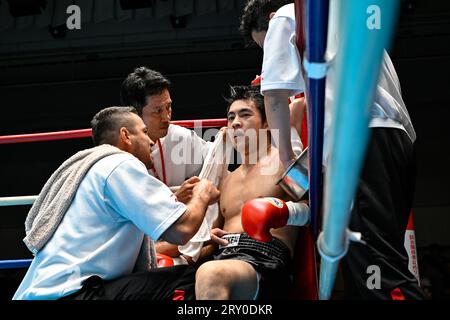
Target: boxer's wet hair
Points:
x,y
140,84
107,123
251,93
255,16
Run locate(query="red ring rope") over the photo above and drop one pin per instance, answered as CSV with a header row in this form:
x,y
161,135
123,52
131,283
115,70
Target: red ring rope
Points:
x,y
85,133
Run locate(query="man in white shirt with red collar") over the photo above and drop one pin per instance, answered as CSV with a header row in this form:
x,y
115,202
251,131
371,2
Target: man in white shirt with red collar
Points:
x,y
178,152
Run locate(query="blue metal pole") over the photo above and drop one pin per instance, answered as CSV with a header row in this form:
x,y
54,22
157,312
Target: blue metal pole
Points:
x,y
364,31
314,63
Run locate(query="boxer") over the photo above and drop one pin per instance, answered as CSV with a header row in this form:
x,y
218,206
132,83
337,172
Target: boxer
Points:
x,y
244,268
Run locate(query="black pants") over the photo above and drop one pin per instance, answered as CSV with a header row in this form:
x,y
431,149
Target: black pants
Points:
x,y
270,259
169,283
380,212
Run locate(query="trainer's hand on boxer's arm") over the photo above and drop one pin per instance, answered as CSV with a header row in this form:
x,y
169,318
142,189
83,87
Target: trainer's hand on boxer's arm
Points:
x,y
184,193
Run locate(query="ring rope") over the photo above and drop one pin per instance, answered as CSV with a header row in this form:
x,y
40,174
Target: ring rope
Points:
x,y
13,264
17,201
86,133
72,134
82,133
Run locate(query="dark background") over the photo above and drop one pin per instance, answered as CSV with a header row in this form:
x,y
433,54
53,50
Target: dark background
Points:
x,y
50,83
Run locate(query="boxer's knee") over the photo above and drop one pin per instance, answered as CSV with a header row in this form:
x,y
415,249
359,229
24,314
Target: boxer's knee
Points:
x,y
212,281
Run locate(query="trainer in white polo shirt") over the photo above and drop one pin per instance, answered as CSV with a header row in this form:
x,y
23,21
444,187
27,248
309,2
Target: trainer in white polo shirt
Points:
x,y
91,217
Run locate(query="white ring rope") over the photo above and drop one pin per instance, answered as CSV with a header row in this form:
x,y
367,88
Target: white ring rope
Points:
x,y
17,201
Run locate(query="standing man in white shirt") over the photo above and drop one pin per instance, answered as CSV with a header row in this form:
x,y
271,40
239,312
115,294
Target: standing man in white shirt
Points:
x,y
386,189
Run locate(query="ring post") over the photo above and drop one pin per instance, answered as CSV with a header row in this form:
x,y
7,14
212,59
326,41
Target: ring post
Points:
x,y
365,28
316,20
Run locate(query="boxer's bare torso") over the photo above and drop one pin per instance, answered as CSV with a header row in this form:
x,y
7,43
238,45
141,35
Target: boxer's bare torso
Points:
x,y
250,182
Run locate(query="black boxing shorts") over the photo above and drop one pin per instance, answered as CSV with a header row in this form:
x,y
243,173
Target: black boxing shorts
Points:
x,y
271,261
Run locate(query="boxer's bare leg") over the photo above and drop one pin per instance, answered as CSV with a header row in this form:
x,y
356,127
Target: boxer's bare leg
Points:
x,y
225,279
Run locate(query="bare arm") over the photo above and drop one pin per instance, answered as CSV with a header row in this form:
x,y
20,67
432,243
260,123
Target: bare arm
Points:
x,y
182,230
297,111
278,117
183,194
208,249
167,248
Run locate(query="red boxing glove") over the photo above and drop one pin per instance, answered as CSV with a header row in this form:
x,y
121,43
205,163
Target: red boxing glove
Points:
x,y
262,214
163,260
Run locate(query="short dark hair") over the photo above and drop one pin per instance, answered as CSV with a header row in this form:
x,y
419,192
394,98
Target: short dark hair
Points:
x,y
107,122
140,84
251,93
256,16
